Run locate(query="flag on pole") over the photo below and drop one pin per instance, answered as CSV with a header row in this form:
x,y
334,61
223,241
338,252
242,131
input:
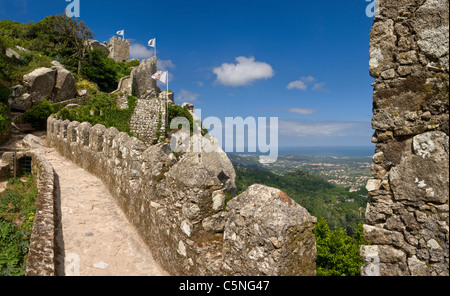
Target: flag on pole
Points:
x,y
152,42
161,76
121,32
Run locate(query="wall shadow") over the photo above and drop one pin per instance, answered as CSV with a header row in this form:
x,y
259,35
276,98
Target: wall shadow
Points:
x,y
59,236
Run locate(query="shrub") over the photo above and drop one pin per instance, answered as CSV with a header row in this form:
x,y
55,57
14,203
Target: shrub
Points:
x,y
178,111
17,211
104,71
133,63
38,114
5,92
338,253
5,119
91,87
102,109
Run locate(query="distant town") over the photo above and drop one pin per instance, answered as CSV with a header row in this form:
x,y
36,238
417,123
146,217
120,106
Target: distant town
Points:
x,y
349,172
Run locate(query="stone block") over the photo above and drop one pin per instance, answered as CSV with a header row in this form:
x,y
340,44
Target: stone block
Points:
x,y
263,226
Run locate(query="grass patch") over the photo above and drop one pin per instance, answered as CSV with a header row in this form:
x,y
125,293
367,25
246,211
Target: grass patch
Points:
x,y
102,109
17,211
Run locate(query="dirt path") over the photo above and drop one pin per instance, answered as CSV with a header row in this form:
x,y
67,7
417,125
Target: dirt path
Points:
x,y
97,239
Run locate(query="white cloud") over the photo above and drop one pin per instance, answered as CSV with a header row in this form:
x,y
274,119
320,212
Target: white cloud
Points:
x,y
298,85
245,72
305,82
165,65
318,86
308,78
306,129
140,52
187,96
303,111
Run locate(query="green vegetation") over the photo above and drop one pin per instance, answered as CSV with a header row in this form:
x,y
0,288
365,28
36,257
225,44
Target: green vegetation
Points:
x,y
91,87
65,40
340,207
178,111
17,210
102,109
104,71
59,38
5,119
337,252
38,114
339,229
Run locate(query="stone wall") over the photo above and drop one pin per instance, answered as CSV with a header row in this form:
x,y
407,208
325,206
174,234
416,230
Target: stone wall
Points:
x,y
149,118
119,49
41,255
407,216
141,78
177,203
123,91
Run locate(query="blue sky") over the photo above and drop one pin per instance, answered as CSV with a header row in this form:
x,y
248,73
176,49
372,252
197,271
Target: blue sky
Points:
x,y
305,62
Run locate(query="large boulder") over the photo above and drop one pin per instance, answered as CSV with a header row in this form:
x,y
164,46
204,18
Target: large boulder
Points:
x,y
33,141
40,84
94,44
267,233
205,164
65,88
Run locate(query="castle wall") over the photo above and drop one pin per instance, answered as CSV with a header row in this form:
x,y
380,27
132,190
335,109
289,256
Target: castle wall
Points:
x,y
149,116
141,78
148,119
407,216
41,255
177,203
119,49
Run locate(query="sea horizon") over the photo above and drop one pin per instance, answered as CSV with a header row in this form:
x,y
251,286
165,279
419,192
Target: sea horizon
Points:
x,y
329,151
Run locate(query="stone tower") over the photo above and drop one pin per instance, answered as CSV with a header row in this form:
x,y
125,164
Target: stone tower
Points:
x,y
407,215
148,120
141,78
119,49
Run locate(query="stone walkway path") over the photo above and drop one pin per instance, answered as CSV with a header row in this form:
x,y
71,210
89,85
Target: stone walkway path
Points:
x,y
97,239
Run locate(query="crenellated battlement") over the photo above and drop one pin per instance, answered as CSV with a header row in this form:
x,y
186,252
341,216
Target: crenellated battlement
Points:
x,y
176,203
119,49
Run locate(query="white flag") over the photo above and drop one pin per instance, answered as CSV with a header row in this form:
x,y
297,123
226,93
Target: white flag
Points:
x,y
164,77
161,76
121,32
152,42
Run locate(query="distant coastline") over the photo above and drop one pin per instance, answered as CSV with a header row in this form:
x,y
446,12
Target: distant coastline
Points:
x,y
336,151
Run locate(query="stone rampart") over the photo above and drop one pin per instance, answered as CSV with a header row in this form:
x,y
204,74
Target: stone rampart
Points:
x,y
142,81
178,205
407,216
41,255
